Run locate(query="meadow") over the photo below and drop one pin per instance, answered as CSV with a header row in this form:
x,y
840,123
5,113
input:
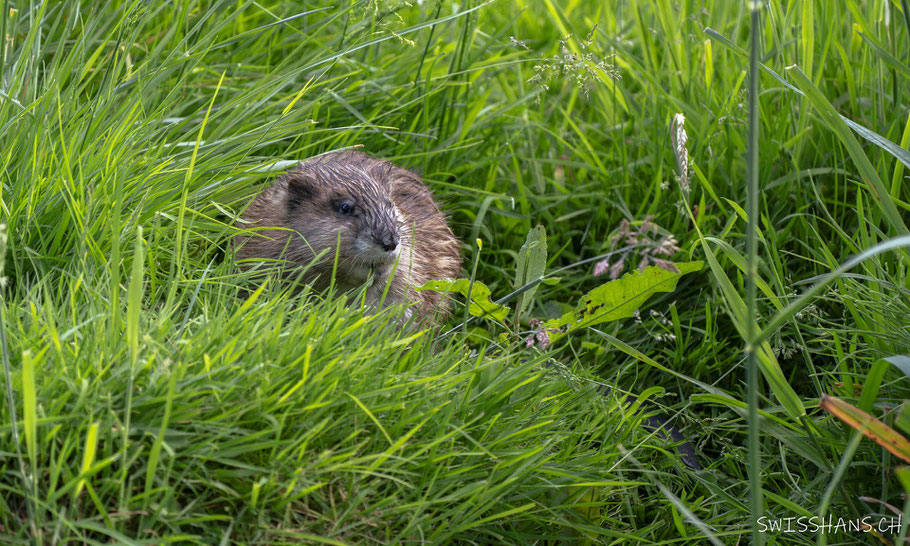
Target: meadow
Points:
x,y
743,241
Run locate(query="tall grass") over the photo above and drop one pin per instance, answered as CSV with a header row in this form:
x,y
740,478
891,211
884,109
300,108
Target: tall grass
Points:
x,y
752,197
156,394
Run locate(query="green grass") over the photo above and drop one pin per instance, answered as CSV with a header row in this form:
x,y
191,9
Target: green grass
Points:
x,y
154,393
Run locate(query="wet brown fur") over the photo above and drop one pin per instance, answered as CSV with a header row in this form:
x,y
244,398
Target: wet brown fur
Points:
x,y
305,201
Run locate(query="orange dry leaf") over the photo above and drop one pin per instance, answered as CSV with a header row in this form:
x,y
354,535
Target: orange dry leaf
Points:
x,y
878,432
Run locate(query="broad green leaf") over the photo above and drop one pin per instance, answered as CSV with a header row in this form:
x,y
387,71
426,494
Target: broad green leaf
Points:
x,y
481,305
618,299
878,432
531,263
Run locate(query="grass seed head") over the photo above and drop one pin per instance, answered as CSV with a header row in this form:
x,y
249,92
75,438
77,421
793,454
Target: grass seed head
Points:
x,y
678,128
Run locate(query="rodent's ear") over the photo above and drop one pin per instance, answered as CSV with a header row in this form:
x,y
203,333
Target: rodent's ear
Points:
x,y
301,188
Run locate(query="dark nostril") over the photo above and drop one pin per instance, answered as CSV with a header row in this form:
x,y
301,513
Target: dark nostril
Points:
x,y
388,243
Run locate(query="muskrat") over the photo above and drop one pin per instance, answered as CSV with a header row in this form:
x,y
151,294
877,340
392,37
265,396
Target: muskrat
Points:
x,y
381,218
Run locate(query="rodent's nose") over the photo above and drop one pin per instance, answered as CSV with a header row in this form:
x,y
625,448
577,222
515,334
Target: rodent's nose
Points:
x,y
388,242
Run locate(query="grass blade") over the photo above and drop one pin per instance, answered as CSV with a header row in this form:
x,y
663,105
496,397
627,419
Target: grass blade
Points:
x,y
888,58
900,153
867,171
88,457
875,430
752,197
28,407
800,303
155,453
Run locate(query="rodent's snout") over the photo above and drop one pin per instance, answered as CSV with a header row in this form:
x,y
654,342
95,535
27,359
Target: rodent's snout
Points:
x,y
378,244
388,241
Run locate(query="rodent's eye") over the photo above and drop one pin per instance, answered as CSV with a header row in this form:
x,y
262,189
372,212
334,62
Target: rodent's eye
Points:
x,y
345,207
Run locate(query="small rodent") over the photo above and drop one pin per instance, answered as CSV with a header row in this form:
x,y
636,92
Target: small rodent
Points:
x,y
373,212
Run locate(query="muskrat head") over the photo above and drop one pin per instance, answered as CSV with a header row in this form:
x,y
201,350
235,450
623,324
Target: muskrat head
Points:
x,y
348,208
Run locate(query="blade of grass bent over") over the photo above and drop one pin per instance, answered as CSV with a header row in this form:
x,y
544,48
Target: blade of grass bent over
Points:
x,y
866,170
901,154
768,364
872,428
806,298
